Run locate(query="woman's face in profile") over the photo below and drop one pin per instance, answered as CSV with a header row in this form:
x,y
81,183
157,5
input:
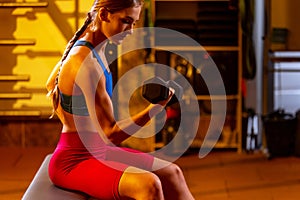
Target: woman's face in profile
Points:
x,y
121,23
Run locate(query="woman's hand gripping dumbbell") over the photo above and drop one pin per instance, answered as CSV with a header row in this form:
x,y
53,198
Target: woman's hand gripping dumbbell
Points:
x,y
158,91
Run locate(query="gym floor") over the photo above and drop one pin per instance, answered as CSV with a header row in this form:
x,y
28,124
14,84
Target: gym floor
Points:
x,y
221,175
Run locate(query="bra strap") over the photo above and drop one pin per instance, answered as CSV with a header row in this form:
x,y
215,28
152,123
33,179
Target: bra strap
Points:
x,y
109,81
90,46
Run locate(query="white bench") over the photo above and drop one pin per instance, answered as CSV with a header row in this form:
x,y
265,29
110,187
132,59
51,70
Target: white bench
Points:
x,y
41,187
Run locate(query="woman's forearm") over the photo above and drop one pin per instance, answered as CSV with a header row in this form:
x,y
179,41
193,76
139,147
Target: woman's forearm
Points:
x,y
125,128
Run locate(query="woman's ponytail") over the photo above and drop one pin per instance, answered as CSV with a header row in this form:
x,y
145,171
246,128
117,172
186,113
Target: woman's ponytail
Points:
x,y
54,93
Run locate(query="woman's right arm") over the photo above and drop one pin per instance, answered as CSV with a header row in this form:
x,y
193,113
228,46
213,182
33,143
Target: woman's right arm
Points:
x,y
91,80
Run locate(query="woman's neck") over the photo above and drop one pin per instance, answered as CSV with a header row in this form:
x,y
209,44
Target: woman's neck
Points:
x,y
95,38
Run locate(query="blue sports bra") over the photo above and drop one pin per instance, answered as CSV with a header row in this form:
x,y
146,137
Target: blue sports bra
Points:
x,y
77,104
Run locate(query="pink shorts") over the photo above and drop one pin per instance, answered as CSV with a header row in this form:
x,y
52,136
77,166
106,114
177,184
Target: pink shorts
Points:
x,y
92,167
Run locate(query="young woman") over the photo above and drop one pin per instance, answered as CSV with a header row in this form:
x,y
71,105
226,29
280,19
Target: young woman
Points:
x,y
87,158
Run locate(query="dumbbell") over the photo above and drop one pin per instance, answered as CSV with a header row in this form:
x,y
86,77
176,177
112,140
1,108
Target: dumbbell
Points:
x,y
156,90
178,92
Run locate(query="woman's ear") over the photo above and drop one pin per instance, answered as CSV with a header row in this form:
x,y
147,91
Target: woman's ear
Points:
x,y
103,14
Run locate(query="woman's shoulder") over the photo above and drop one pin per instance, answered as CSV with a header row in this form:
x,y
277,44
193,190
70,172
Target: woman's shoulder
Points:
x,y
79,54
75,59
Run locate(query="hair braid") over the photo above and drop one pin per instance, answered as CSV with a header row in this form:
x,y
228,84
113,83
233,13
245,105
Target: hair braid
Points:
x,y
55,92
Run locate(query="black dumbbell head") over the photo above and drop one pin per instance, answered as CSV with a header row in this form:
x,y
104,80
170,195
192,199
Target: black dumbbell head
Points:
x,y
155,90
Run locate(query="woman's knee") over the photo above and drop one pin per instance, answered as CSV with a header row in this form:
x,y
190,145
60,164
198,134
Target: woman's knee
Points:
x,y
166,169
172,172
144,186
150,186
176,170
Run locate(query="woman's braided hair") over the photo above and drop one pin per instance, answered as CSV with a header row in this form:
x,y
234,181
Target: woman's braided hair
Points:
x,y
110,5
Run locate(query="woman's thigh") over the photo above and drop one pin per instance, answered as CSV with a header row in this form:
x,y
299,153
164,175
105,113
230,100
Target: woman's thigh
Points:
x,y
99,179
130,157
